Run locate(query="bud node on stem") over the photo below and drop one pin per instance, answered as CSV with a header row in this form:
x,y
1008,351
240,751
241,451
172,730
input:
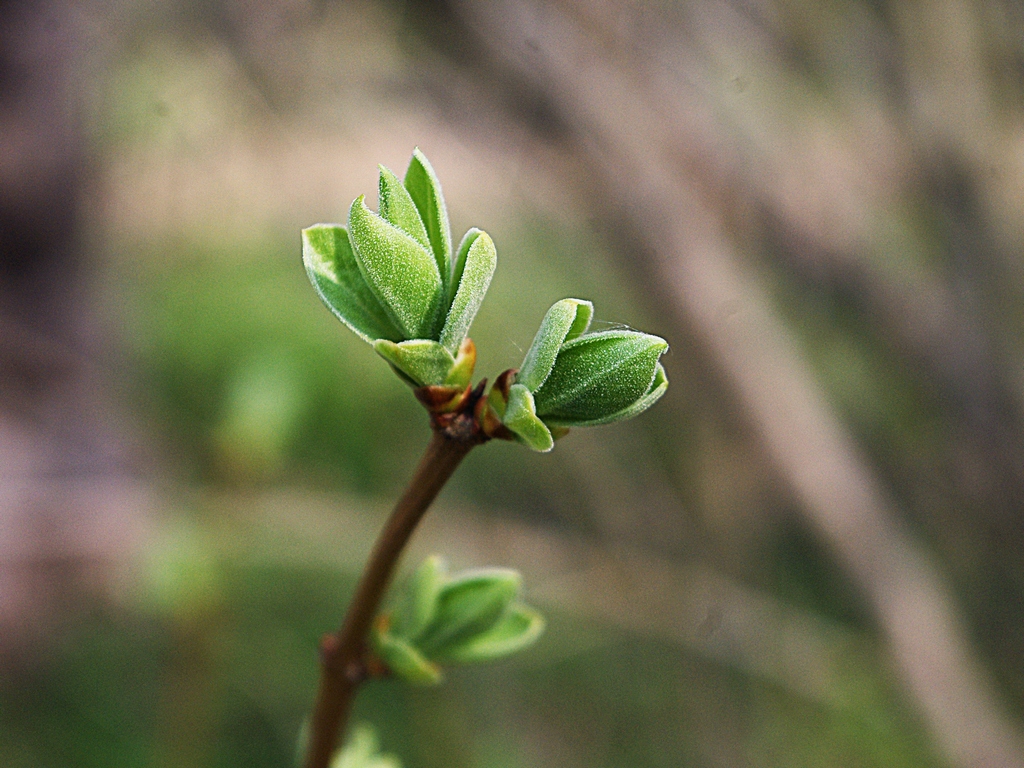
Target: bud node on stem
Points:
x,y
460,424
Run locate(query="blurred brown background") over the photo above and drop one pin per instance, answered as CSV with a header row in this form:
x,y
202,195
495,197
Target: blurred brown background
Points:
x,y
810,553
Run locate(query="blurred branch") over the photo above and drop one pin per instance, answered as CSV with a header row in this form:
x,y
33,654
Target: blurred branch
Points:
x,y
643,146
838,170
343,655
69,516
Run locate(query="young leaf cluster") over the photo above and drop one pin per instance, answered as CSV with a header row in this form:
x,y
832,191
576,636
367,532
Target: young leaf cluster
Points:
x,y
468,617
392,277
571,378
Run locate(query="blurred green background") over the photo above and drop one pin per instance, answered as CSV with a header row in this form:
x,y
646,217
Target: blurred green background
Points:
x,y
808,554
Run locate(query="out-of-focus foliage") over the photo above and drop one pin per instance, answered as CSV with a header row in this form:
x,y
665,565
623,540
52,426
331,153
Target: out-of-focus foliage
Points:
x,y
227,682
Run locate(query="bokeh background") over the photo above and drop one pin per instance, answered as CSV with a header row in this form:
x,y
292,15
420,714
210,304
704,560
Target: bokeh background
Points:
x,y
810,553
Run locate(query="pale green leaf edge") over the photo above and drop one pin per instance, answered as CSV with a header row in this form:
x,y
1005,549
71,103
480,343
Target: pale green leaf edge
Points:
x,y
423,361
474,280
397,207
425,190
565,317
355,306
521,418
459,263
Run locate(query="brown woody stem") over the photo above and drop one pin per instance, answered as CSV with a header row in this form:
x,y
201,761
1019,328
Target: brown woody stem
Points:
x,y
343,655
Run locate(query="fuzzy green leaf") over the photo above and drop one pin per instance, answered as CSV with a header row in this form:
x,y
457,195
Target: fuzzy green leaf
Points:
x,y
598,375
397,207
418,605
405,660
425,190
423,361
566,319
467,605
658,388
518,628
521,417
459,264
400,271
332,268
474,276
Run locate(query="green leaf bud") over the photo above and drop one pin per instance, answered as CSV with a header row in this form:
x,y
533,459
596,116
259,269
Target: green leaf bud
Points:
x,y
598,375
425,191
331,265
571,378
518,628
390,277
467,605
400,272
469,617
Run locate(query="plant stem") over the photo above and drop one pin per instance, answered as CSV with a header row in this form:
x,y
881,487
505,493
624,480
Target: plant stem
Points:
x,y
343,655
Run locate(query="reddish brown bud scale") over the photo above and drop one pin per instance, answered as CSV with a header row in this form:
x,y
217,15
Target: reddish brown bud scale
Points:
x,y
441,399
